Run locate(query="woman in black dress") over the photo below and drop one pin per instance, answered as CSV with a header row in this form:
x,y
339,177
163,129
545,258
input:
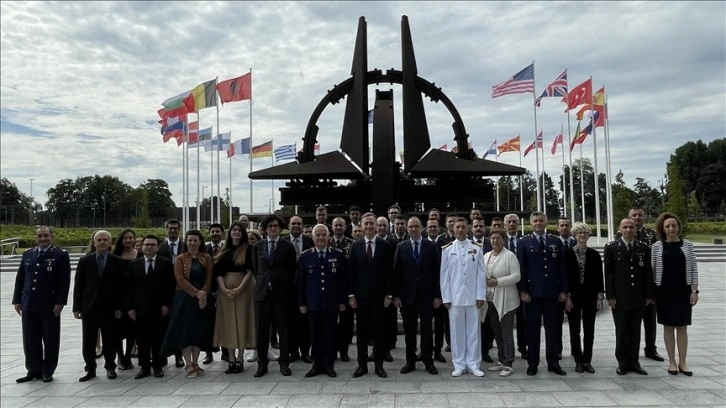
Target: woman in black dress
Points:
x,y
676,278
124,248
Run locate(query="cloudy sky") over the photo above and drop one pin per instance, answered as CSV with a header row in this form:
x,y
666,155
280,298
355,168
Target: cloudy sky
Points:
x,y
81,82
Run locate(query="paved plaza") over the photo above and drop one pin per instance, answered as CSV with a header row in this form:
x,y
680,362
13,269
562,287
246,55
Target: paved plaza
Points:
x,y
706,358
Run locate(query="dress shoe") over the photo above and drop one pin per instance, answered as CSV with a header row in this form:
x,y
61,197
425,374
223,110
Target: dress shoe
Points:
x,y
144,372
524,354
686,373
654,356
47,378
344,358
431,369
230,369
408,367
179,362
506,371
638,370
331,373
122,365
477,372
262,370
313,372
275,345
532,370
673,372
557,370
285,371
621,370
306,359
439,357
487,358
294,357
360,371
380,372
158,373
238,367
88,376
579,368
457,373
111,374
29,377
208,359
388,357
589,368
448,349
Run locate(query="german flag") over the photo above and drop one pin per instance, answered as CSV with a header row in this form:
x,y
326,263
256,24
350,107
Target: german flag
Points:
x,y
263,150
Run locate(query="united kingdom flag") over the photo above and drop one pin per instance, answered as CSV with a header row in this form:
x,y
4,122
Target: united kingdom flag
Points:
x,y
558,87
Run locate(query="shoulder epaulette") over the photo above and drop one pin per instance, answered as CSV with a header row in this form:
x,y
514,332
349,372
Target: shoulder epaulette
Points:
x,y
447,245
530,235
307,250
613,242
552,235
479,245
334,249
29,250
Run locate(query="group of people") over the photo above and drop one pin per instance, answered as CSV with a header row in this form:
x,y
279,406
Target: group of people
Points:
x,y
468,285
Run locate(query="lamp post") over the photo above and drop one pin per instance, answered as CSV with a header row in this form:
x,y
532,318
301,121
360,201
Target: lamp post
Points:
x,y
30,213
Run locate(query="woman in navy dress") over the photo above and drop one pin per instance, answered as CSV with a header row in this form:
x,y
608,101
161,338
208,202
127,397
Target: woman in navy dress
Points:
x,y
676,278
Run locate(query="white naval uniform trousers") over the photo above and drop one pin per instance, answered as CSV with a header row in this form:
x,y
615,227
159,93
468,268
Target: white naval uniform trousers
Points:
x,y
463,282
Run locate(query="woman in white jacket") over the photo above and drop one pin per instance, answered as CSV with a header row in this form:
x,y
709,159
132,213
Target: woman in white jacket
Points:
x,y
502,276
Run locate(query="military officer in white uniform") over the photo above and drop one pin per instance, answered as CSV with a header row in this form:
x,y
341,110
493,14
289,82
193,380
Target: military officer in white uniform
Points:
x,y
463,292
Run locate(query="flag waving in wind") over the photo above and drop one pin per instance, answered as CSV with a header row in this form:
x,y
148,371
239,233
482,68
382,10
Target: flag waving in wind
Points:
x,y
202,96
235,89
578,95
521,82
511,145
558,87
263,150
558,140
533,145
286,152
239,147
492,149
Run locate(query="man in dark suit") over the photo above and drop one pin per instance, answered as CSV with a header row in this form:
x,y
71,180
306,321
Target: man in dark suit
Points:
x,y
417,292
170,248
299,327
390,314
344,331
321,294
98,300
150,286
273,265
568,241
629,288
41,291
354,214
370,293
399,228
542,288
511,224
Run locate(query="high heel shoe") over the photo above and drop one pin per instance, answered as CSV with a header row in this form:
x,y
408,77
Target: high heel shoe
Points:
x,y
686,373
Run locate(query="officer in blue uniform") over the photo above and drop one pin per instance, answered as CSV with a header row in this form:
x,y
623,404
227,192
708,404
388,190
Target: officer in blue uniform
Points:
x,y
41,291
542,287
321,287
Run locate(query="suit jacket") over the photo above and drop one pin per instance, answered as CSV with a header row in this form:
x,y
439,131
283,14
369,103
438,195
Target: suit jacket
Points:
x,y
411,277
516,242
371,279
593,277
91,292
149,292
42,283
544,274
208,248
321,285
307,242
277,273
485,244
166,253
628,277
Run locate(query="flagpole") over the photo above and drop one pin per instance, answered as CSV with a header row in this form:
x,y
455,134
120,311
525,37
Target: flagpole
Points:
x,y
608,171
498,178
521,188
569,154
211,181
582,184
199,196
184,191
564,175
251,144
544,185
597,187
230,180
534,109
219,143
272,182
186,181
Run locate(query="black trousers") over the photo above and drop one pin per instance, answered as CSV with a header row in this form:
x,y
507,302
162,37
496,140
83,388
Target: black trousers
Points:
x,y
125,330
540,309
521,328
627,336
150,331
344,331
91,322
298,331
265,311
369,325
412,312
390,326
41,341
487,336
583,310
441,328
649,324
561,319
322,333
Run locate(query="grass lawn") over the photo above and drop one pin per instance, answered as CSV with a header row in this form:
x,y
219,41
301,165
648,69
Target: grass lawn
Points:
x,y
704,238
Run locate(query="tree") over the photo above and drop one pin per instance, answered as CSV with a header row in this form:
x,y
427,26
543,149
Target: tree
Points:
x,y
694,208
647,197
623,198
701,168
676,203
589,188
64,201
160,202
16,206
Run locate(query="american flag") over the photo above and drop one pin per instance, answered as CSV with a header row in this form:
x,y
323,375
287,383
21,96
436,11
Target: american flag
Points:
x,y
558,87
521,82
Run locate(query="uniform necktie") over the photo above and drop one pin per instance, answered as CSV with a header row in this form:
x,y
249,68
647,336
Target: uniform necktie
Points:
x,y
416,255
567,243
478,241
100,264
172,251
272,248
512,247
541,244
321,256
297,246
150,269
369,251
40,254
630,248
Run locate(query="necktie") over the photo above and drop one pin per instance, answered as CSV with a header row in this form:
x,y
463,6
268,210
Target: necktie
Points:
x,y
512,246
150,269
100,264
416,255
321,256
172,251
272,248
541,244
297,246
630,248
369,251
567,243
215,249
40,254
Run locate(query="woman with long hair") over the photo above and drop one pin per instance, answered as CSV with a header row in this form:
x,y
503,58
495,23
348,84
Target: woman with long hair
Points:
x,y
585,299
234,326
676,279
124,248
190,323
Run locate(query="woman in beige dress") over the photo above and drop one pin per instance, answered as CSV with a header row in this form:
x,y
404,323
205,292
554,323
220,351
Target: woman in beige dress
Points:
x,y
234,326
